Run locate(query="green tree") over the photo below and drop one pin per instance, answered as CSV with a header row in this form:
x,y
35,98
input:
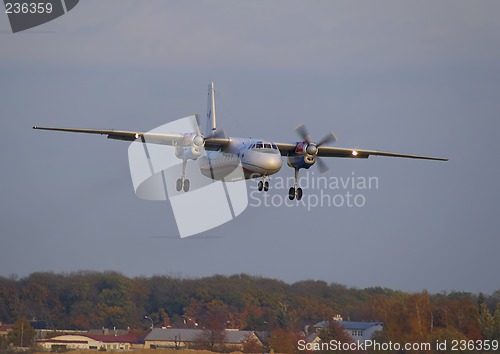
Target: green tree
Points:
x,y
22,335
496,320
447,335
3,344
10,304
486,322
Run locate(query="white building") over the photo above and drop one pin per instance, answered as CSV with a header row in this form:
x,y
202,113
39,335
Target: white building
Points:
x,y
90,341
359,331
181,338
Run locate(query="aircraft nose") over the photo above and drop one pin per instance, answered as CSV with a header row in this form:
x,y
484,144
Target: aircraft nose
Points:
x,y
274,163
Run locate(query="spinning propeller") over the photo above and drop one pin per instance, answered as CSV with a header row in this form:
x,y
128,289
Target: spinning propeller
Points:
x,y
312,148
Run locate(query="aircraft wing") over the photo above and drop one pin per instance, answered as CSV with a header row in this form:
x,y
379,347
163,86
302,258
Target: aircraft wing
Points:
x,y
211,143
163,139
286,148
332,151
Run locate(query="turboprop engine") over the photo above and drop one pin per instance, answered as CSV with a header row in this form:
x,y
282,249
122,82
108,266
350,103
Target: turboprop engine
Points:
x,y
305,155
191,147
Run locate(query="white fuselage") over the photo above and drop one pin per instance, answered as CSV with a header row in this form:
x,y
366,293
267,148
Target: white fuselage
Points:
x,y
257,158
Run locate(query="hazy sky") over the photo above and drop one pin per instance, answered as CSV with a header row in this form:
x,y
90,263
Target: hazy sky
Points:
x,y
418,77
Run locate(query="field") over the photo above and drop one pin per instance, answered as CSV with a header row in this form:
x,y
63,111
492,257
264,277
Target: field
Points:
x,y
149,351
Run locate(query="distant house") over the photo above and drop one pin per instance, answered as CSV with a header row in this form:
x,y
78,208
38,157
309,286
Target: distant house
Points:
x,y
313,338
359,331
181,338
5,328
91,341
107,331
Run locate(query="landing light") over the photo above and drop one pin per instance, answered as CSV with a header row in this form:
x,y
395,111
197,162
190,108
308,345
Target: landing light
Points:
x,y
354,153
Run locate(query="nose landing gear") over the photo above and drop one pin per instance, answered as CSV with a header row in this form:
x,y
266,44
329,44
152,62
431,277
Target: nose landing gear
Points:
x,y
263,185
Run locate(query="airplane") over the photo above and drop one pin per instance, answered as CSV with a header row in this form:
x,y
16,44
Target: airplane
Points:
x,y
258,158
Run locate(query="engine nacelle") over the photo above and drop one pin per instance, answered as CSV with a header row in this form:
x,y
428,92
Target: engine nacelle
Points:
x,y
301,161
305,155
191,147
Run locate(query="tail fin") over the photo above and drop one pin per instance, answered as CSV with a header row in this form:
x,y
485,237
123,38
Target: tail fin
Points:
x,y
211,127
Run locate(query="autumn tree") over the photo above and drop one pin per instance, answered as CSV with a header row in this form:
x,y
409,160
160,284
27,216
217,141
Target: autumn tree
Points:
x,y
283,340
334,332
85,300
252,345
10,304
212,317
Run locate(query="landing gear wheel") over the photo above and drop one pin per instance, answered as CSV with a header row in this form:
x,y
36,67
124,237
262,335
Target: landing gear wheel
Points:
x,y
260,186
291,193
186,185
299,193
178,185
266,186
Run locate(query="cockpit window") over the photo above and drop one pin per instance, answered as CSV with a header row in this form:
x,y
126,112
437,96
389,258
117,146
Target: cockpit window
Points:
x,y
261,145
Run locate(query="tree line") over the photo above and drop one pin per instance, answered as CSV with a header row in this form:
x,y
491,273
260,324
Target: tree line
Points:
x,y
85,300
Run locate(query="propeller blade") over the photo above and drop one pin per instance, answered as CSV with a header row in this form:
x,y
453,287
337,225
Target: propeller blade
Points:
x,y
198,130
323,168
330,138
220,134
302,132
195,124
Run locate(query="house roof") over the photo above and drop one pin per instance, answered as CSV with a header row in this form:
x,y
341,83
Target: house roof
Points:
x,y
237,336
108,331
322,324
109,338
312,337
349,324
4,327
171,334
83,338
193,335
62,341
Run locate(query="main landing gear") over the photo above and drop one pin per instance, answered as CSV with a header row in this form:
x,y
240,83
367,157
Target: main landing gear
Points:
x,y
295,192
183,182
263,185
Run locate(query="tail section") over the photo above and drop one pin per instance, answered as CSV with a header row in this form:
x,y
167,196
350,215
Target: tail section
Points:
x,y
211,127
